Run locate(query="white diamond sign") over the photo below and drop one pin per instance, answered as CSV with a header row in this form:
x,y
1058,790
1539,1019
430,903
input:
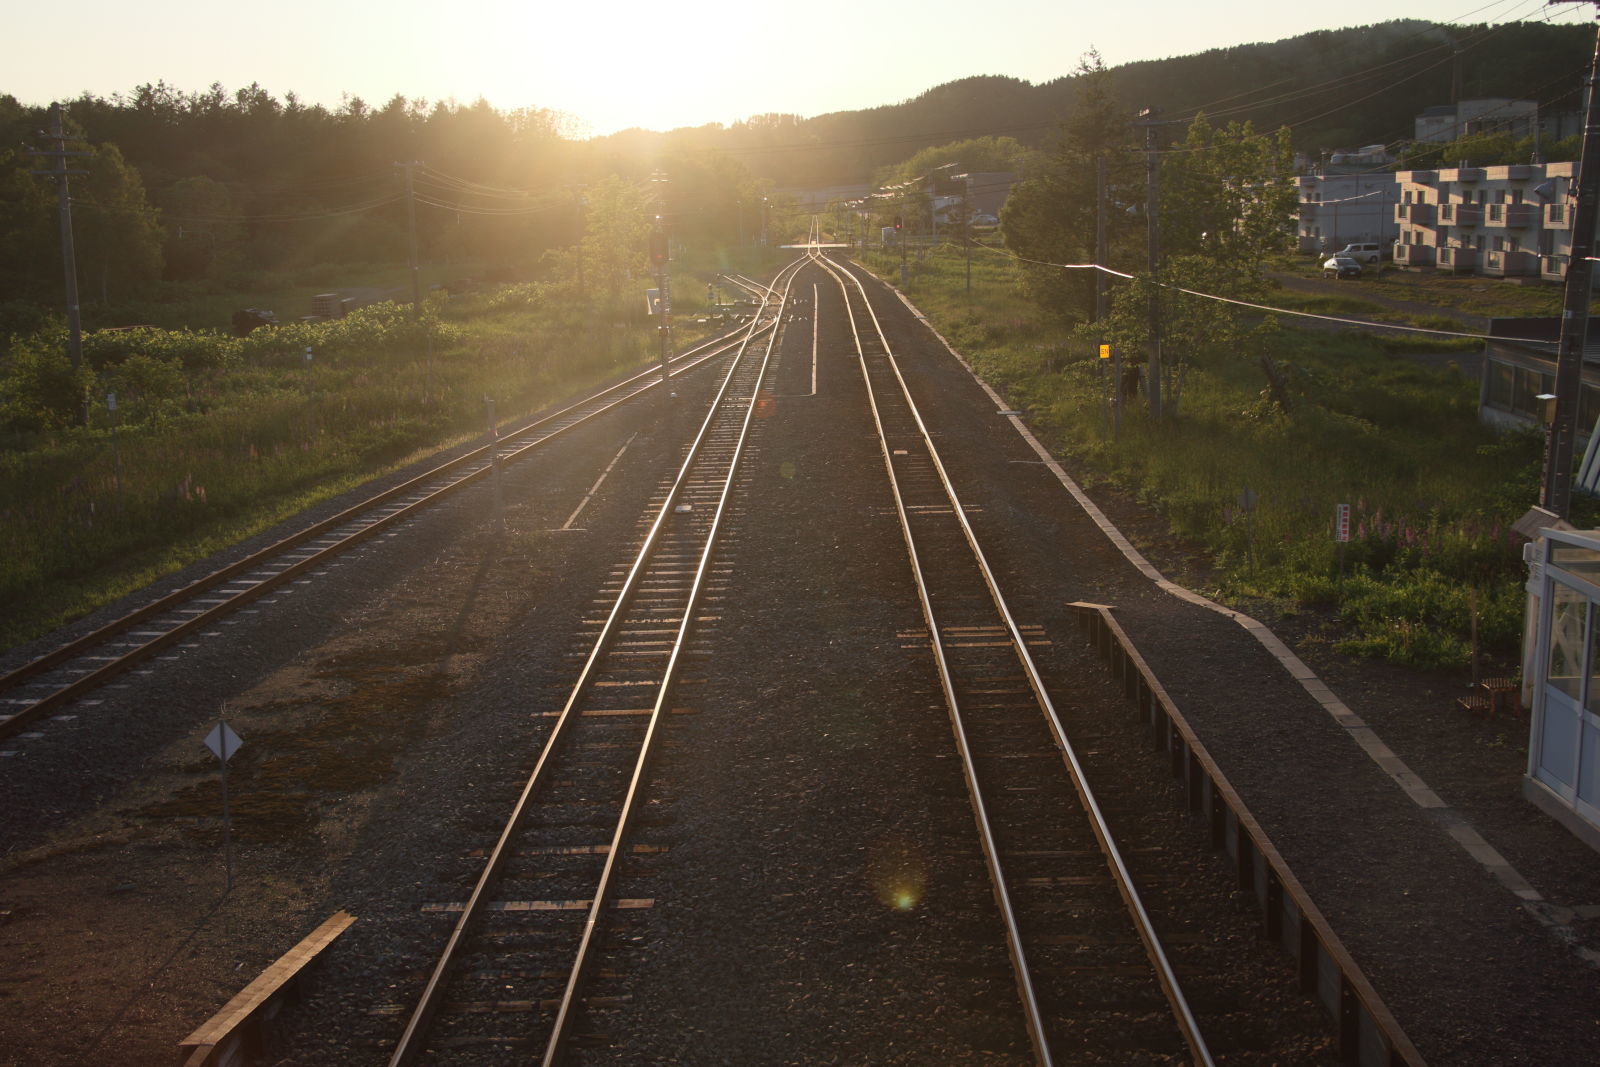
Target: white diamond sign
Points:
x,y
223,742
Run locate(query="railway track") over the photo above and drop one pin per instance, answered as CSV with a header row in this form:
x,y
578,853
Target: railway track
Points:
x,y
548,920
74,670
568,841
1069,907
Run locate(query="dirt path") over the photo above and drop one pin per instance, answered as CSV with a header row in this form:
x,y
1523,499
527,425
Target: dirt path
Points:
x,y
1360,290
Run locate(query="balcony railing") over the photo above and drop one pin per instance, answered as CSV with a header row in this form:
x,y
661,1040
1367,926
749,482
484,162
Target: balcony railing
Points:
x,y
1416,214
1510,264
1513,216
1459,260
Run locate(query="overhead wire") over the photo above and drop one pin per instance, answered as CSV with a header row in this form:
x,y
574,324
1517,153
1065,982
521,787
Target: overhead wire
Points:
x,y
305,217
1365,323
1342,79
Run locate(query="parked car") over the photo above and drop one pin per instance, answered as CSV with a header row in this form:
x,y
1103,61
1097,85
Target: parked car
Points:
x,y
1341,267
1364,252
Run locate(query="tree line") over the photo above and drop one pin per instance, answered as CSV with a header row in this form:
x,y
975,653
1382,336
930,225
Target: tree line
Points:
x,y
221,189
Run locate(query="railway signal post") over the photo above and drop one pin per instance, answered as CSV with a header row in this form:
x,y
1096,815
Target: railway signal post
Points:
x,y
659,255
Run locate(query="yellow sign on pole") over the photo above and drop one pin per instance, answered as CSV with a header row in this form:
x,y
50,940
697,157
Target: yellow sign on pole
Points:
x,y
1105,351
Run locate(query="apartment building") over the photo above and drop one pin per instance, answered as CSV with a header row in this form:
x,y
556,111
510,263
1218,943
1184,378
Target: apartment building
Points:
x,y
1497,115
1502,222
1336,209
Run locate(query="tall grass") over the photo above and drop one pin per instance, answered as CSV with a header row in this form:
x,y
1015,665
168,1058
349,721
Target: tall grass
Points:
x,y
256,432
1432,491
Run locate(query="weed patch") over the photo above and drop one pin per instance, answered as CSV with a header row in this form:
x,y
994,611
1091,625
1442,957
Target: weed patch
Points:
x,y
1432,492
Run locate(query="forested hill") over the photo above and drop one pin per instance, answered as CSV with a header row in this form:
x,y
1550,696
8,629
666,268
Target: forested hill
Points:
x,y
213,186
1333,88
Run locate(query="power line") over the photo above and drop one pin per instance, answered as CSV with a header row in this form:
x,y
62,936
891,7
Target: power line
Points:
x,y
1232,300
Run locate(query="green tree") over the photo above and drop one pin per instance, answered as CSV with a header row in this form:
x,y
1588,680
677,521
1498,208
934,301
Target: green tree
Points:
x,y
30,244
618,221
1050,218
39,389
202,240
1226,194
118,233
1226,200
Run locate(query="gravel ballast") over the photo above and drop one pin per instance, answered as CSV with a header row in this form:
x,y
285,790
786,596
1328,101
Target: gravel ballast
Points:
x,y
388,704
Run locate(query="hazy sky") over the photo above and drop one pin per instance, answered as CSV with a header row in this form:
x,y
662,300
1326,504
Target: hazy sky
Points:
x,y
611,64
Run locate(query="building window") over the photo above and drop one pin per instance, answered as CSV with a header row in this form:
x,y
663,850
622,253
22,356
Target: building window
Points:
x,y
1501,380
1588,408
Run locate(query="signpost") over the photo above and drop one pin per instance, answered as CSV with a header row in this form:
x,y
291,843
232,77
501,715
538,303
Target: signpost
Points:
x,y
223,743
1341,534
116,460
1112,409
311,426
1247,504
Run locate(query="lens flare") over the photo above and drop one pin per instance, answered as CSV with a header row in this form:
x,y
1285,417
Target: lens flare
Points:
x,y
898,874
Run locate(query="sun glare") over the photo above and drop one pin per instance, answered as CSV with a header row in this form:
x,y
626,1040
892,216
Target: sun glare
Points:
x,y
898,874
610,70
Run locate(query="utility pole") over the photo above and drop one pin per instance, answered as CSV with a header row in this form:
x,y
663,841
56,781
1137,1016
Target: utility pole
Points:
x,y
966,225
1100,294
1557,494
1152,255
416,280
900,236
411,220
59,172
1100,240
578,249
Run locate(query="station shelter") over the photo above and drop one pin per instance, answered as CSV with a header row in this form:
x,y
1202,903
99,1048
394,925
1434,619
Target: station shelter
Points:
x,y
1563,679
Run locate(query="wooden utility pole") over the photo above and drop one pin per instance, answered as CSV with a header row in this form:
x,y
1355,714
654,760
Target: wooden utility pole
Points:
x,y
1100,242
1557,494
416,279
1152,256
411,222
59,173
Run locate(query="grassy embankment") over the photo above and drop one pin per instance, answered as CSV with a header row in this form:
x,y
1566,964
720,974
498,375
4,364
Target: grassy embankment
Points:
x,y
1432,492
215,439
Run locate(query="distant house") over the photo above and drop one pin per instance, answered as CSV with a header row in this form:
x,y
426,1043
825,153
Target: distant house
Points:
x,y
1448,122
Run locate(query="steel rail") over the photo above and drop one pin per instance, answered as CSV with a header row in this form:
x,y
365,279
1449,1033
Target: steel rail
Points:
x,y
991,853
1125,887
658,711
413,1039
464,470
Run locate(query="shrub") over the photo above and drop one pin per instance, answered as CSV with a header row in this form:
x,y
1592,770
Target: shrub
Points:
x,y
40,390
192,349
150,390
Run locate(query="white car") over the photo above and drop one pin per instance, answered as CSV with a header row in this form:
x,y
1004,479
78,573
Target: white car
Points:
x,y
1364,252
